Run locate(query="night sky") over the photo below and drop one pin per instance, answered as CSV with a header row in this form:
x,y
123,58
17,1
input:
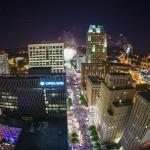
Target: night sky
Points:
x,y
24,21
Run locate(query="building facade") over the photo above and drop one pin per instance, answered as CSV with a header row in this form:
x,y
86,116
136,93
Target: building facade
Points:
x,y
139,122
101,69
92,89
114,105
4,67
96,44
145,63
91,69
92,92
112,67
33,95
47,55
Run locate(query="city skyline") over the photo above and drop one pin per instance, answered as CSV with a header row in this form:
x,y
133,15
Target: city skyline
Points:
x,y
32,21
90,100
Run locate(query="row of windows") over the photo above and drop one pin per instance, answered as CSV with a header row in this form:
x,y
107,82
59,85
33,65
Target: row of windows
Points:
x,y
47,63
50,53
55,108
44,59
8,97
42,51
9,104
5,106
58,70
44,47
40,58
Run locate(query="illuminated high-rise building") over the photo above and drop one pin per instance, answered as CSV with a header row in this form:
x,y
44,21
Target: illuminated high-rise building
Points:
x,y
138,127
4,67
47,55
114,105
96,44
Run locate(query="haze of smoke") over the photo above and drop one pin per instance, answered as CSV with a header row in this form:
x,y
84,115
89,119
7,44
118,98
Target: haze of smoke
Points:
x,y
69,39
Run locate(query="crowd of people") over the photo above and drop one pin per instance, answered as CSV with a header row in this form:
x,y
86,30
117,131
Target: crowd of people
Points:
x,y
80,115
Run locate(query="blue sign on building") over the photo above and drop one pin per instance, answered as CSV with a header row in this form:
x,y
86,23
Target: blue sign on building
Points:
x,y
51,83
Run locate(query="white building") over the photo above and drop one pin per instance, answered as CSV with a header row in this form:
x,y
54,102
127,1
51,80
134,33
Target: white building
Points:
x,y
47,55
4,67
137,130
114,105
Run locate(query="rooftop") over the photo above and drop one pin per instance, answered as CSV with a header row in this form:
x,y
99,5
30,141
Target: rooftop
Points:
x,y
120,74
92,64
46,43
95,79
117,88
122,103
17,76
119,64
39,71
145,95
95,29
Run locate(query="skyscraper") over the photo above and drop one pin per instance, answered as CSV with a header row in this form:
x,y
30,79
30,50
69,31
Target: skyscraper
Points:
x,y
96,44
47,55
4,68
114,105
138,127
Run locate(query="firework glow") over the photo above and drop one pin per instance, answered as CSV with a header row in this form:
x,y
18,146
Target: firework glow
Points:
x,y
69,53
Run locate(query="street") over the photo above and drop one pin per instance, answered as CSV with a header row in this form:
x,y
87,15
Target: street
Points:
x,y
78,117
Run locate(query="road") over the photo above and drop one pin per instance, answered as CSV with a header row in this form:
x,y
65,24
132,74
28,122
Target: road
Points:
x,y
79,114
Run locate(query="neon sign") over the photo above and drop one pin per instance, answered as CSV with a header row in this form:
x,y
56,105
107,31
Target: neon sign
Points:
x,y
51,83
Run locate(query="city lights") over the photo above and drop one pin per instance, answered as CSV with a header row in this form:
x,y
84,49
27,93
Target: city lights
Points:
x,y
94,92
51,83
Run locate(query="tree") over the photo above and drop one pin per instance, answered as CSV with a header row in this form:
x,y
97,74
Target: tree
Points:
x,y
82,100
112,145
69,103
74,134
93,133
92,128
95,138
75,140
97,146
